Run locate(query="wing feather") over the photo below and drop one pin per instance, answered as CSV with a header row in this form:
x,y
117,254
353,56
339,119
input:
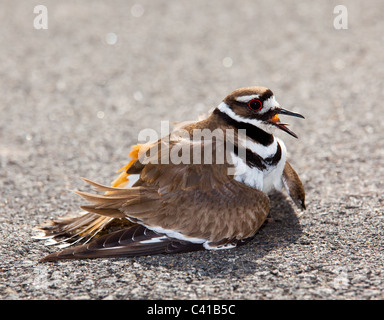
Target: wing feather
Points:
x,y
135,241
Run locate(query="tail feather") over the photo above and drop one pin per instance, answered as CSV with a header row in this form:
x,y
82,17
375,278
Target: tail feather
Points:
x,y
114,213
67,225
101,187
134,200
98,198
72,230
101,217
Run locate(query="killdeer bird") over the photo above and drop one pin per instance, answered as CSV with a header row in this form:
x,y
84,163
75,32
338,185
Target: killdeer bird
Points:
x,y
179,206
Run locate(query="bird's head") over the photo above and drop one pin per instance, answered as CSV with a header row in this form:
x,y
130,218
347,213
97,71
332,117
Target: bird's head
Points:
x,y
258,106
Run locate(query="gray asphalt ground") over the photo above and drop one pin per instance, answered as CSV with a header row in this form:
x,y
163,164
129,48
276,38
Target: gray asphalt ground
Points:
x,y
74,97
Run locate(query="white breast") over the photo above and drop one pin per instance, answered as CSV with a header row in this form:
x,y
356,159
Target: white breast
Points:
x,y
273,178
252,177
264,180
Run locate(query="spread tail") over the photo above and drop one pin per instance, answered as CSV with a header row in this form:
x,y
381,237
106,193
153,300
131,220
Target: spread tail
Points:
x,y
94,222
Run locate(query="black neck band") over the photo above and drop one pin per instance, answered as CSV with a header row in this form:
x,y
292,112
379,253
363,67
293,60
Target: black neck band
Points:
x,y
253,132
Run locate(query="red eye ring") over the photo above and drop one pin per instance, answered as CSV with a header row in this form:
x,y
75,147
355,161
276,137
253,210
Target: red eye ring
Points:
x,y
255,104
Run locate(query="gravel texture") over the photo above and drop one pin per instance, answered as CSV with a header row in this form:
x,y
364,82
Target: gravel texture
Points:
x,y
74,97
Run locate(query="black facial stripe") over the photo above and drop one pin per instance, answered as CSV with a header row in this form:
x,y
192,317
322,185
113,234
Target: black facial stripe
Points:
x,y
252,131
266,95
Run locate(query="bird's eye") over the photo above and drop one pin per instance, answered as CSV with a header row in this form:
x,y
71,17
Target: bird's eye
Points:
x,y
255,104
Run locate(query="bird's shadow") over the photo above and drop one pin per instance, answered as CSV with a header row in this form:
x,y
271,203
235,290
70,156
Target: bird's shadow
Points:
x,y
281,229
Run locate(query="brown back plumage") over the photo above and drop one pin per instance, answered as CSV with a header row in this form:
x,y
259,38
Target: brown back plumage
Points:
x,y
196,200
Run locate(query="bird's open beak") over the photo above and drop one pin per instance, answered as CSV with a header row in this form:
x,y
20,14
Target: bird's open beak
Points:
x,y
276,121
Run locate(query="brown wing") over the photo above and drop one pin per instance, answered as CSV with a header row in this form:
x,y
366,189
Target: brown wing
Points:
x,y
134,241
294,186
197,200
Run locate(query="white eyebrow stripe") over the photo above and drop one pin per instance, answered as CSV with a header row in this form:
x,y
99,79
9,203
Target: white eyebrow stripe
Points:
x,y
247,98
269,104
223,107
